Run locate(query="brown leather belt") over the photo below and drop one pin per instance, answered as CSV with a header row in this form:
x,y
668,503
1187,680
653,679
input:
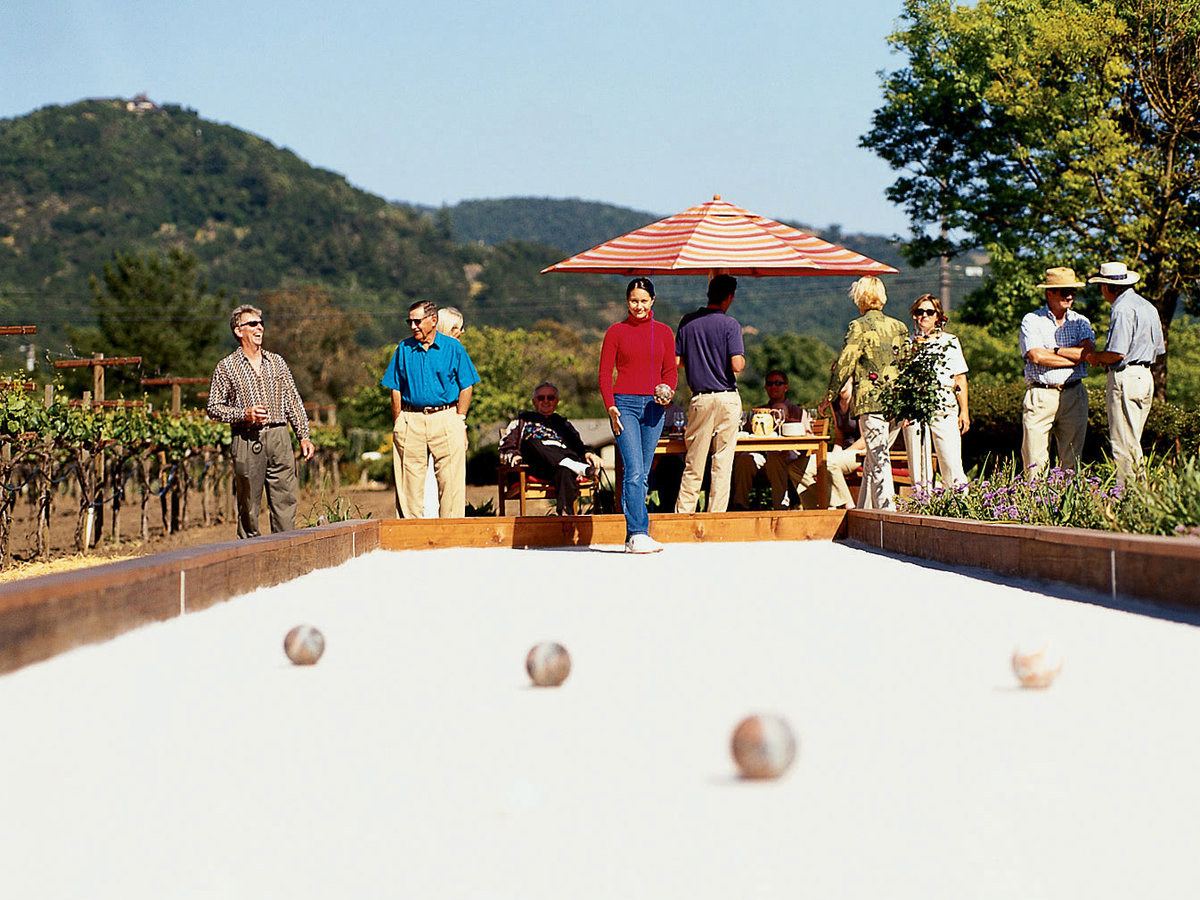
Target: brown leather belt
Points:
x,y
427,410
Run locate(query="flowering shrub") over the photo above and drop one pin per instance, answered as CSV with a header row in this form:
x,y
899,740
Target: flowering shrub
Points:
x,y
915,394
1167,502
1075,499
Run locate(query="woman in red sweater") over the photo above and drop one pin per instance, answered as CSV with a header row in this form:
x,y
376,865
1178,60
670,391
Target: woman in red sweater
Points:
x,y
637,381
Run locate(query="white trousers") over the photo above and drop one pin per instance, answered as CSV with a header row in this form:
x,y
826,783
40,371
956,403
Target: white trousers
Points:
x,y
943,436
878,490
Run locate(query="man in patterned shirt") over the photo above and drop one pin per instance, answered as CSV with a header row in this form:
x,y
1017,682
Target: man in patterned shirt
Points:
x,y
253,390
1055,341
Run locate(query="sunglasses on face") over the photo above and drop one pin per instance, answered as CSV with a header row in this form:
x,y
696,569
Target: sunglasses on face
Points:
x,y
417,321
541,398
252,323
775,383
921,313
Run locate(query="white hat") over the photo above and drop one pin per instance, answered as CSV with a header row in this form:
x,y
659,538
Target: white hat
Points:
x,y
1114,273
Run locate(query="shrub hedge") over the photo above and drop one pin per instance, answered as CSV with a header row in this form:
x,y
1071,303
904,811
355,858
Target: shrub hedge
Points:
x,y
996,425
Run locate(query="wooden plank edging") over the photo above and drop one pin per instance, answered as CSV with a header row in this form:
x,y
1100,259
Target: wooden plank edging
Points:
x,y
43,616
1157,569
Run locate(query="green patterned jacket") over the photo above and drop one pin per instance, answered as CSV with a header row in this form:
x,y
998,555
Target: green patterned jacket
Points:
x,y
869,355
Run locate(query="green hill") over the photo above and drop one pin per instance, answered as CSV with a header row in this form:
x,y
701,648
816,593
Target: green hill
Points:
x,y
571,225
79,182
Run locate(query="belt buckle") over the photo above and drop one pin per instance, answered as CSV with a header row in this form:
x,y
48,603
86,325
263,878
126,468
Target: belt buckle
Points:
x,y
429,410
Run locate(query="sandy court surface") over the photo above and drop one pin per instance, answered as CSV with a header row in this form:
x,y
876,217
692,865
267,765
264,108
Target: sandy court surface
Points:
x,y
191,759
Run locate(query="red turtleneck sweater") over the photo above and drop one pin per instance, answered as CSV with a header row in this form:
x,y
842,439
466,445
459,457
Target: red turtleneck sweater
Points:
x,y
643,354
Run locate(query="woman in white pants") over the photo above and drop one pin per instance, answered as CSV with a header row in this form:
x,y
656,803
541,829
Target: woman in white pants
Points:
x,y
946,429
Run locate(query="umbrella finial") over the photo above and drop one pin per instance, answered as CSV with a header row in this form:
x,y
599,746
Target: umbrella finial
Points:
x,y
716,196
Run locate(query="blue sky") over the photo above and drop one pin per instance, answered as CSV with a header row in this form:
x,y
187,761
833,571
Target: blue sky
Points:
x,y
655,105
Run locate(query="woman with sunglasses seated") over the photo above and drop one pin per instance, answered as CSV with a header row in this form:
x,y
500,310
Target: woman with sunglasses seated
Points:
x,y
945,431
550,446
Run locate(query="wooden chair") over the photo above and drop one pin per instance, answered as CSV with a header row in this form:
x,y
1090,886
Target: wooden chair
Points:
x,y
514,482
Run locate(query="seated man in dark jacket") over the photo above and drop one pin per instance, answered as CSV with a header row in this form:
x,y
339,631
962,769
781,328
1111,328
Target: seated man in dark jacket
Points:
x,y
550,446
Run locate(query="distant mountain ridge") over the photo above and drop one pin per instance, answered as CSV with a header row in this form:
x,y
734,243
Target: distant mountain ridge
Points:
x,y
809,305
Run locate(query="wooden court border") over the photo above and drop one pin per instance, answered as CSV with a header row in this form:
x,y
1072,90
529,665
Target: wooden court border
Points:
x,y
43,616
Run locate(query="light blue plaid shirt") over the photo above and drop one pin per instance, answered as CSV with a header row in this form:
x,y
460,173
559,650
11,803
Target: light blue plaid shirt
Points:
x,y
1038,329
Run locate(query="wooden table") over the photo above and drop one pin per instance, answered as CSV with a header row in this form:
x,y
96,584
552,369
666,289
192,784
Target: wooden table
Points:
x,y
748,443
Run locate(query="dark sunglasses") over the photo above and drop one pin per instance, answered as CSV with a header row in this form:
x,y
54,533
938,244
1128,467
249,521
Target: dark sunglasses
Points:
x,y
252,323
924,312
540,397
775,383
417,321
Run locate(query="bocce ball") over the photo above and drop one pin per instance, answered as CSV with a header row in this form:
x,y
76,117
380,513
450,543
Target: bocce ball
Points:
x,y
1036,665
548,664
763,746
304,645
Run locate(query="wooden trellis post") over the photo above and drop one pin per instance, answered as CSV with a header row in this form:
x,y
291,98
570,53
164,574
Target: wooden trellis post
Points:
x,y
176,382
98,363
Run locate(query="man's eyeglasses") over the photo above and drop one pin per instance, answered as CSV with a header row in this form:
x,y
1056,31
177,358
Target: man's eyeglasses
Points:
x,y
775,383
542,398
251,323
417,321
921,313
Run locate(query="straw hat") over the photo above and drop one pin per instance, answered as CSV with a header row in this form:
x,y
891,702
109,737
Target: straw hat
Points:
x,y
1060,277
1114,273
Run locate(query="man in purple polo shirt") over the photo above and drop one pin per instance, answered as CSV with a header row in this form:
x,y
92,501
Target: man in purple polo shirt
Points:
x,y
432,379
709,346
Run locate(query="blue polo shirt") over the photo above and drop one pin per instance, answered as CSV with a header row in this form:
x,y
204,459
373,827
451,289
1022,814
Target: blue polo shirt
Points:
x,y
706,341
432,377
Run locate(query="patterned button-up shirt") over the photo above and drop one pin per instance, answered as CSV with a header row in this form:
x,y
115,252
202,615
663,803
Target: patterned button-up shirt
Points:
x,y
236,386
1039,329
869,355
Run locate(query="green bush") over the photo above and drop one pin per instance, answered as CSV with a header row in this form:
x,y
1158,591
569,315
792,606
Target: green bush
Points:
x,y
996,426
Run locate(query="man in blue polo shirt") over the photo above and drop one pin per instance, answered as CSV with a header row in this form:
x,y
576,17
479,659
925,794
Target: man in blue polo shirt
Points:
x,y
431,378
709,346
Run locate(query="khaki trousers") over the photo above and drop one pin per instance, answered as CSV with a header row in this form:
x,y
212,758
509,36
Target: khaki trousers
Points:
x,y
713,421
1127,396
1063,412
272,467
840,462
781,472
415,438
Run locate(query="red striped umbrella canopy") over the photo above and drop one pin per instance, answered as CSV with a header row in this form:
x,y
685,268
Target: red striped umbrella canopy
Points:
x,y
719,237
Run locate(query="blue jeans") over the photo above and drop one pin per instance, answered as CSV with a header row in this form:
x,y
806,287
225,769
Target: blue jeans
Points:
x,y
641,425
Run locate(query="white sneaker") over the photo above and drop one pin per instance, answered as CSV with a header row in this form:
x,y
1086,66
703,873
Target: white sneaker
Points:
x,y
642,543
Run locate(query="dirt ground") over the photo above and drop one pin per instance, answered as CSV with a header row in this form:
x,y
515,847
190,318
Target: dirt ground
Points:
x,y
351,501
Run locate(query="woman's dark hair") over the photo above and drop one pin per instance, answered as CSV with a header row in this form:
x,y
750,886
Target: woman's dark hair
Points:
x,y
640,282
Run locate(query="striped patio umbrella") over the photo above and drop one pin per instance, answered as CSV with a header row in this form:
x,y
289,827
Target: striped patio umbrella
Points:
x,y
719,237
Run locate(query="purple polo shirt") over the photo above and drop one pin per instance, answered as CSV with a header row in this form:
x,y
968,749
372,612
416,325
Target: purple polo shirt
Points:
x,y
706,341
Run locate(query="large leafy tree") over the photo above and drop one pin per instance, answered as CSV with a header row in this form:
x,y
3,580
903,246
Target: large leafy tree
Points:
x,y
1050,132
159,308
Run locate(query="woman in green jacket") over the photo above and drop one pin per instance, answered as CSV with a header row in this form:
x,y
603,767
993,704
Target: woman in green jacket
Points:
x,y
869,357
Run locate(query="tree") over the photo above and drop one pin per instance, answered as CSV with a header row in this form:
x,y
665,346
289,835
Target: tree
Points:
x,y
1050,132
316,338
804,358
157,308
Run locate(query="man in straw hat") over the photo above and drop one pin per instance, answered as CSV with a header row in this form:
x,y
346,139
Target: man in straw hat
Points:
x,y
1135,341
1054,341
